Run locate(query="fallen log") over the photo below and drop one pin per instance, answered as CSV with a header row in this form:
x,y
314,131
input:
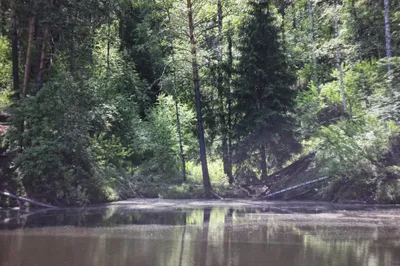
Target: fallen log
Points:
x,y
292,188
8,194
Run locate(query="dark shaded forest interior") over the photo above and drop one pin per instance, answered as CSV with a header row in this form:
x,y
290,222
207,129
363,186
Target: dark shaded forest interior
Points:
x,y
104,100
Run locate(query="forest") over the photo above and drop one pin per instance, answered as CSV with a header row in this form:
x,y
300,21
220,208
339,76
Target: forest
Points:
x,y
104,100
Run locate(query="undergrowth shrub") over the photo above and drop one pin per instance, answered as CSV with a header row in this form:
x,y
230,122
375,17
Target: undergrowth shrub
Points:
x,y
351,153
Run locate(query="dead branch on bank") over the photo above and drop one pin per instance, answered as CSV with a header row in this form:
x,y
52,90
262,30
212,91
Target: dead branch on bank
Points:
x,y
33,202
292,188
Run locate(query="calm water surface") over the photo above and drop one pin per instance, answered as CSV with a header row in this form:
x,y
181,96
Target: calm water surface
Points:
x,y
237,233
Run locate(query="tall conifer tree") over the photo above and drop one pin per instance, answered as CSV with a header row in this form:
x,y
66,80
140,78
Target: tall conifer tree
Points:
x,y
264,95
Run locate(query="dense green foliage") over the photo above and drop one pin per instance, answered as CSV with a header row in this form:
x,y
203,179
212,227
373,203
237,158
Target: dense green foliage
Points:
x,y
102,107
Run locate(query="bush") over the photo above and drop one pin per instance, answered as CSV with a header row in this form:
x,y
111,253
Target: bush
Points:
x,y
56,162
215,169
388,191
182,191
352,152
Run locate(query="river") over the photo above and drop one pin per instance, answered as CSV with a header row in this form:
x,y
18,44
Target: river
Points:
x,y
204,233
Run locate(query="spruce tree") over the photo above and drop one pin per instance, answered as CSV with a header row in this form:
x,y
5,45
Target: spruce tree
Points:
x,y
264,93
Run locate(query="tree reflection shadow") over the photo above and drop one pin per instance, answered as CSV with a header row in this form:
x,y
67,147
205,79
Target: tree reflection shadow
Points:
x,y
204,236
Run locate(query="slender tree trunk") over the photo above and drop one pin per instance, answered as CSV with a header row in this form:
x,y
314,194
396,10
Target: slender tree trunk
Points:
x,y
178,123
15,62
220,21
38,54
357,39
263,164
282,11
220,84
196,87
356,28
388,40
27,72
387,30
177,114
283,30
38,45
221,92
14,50
43,56
225,152
108,49
294,15
338,59
229,102
312,32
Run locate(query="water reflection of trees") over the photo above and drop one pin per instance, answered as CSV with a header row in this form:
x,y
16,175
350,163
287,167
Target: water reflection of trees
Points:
x,y
204,237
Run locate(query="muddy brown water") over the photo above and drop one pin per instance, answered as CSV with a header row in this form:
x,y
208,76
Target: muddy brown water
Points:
x,y
237,233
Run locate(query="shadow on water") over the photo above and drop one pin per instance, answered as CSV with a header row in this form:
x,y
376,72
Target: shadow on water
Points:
x,y
203,233
155,212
